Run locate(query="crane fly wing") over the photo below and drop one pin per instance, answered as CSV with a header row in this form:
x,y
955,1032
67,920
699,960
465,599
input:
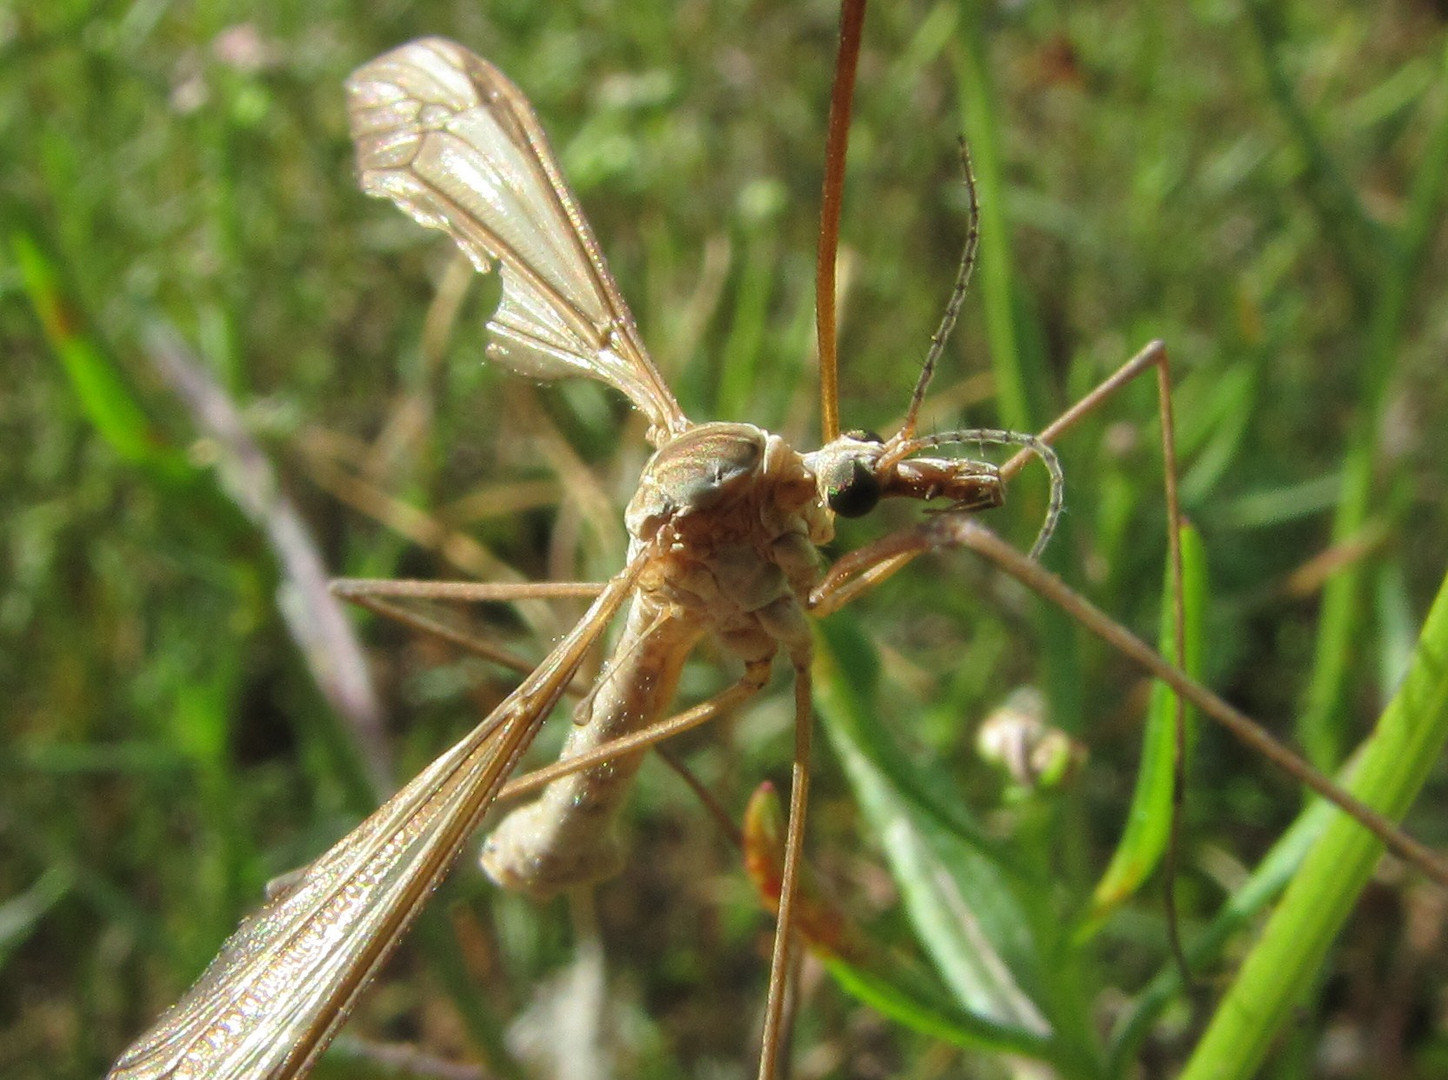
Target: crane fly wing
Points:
x,y
285,980
447,137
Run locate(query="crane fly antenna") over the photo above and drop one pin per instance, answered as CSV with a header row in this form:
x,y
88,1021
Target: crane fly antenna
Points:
x,y
957,295
852,20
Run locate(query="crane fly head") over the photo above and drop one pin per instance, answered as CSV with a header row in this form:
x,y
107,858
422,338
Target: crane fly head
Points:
x,y
847,473
857,470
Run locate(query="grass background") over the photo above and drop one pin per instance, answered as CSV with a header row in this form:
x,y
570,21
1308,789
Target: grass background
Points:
x,y
1257,186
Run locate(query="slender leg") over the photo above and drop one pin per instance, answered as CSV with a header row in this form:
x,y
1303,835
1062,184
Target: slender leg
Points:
x,y
958,530
374,596
1152,355
480,591
755,676
779,965
859,571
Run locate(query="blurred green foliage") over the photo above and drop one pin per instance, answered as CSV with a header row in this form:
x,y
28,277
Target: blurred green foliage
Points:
x,y
1258,185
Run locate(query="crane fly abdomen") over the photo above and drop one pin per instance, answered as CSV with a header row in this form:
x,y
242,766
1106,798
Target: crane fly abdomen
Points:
x,y
567,836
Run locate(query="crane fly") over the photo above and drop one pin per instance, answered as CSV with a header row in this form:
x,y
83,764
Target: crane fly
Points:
x,y
724,530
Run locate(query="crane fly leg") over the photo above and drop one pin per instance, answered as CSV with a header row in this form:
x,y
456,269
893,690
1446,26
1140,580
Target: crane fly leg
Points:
x,y
370,594
861,570
755,676
779,964
1152,355
376,595
956,530
858,572
475,591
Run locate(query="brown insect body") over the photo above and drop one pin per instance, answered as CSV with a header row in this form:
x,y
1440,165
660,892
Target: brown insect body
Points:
x,y
746,514
744,517
724,534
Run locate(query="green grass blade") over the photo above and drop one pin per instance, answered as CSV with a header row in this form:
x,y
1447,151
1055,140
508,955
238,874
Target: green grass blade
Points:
x,y
99,386
1359,242
1280,970
914,1004
1148,825
880,976
1266,883
1343,605
997,279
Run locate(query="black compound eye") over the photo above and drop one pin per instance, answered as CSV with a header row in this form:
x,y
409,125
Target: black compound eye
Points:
x,y
852,491
860,435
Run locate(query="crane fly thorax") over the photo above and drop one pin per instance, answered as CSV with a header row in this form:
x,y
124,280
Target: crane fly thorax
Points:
x,y
745,518
735,477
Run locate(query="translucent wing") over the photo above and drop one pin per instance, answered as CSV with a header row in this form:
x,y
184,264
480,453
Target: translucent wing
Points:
x,y
447,137
282,984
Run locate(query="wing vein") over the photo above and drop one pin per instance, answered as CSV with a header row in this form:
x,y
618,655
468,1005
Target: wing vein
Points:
x,y
285,980
447,137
